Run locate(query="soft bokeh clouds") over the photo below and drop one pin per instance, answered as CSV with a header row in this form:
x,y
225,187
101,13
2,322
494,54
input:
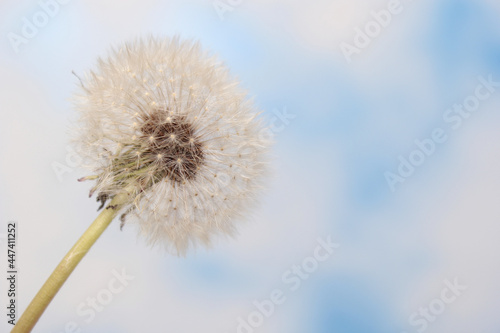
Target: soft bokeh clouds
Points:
x,y
352,122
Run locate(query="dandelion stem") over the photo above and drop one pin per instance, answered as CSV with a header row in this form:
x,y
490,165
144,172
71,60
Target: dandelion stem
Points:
x,y
43,298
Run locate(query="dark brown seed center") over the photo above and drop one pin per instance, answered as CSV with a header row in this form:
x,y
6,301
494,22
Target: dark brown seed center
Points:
x,y
172,142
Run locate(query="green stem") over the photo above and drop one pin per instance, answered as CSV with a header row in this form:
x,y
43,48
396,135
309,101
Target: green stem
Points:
x,y
43,298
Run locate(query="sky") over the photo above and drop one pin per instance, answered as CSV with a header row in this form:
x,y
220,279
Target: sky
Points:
x,y
382,212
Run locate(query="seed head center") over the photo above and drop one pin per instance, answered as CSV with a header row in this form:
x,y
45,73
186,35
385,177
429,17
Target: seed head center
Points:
x,y
177,149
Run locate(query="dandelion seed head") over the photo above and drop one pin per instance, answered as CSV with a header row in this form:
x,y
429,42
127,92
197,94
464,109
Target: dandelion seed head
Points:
x,y
193,163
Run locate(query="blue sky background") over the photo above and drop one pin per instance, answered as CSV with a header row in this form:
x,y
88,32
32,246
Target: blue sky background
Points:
x,y
352,122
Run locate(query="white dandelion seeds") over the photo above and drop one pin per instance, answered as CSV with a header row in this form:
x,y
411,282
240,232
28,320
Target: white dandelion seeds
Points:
x,y
165,121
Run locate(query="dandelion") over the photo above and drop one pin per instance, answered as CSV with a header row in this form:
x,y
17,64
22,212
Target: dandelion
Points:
x,y
164,120
174,147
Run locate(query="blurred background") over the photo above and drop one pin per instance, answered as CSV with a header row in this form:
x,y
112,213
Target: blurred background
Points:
x,y
357,90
